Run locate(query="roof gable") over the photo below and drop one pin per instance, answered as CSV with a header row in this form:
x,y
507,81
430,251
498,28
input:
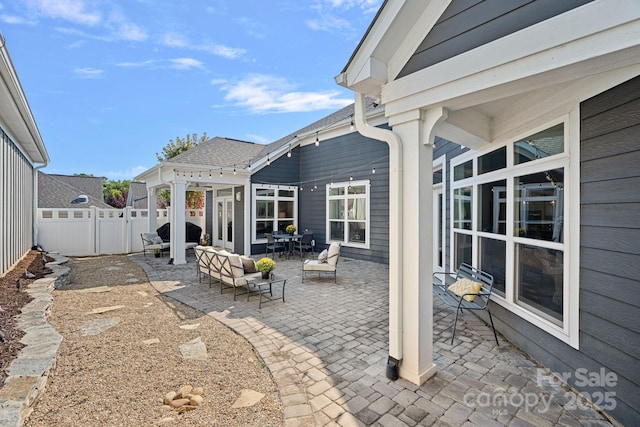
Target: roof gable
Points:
x,y
219,152
465,25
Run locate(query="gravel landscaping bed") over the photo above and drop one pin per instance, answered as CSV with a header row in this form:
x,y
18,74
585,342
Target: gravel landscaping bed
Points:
x,y
121,354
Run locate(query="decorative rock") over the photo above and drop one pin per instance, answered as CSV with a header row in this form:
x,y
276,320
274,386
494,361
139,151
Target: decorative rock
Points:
x,y
178,403
96,290
183,391
197,391
142,293
168,398
185,408
190,327
97,326
105,309
151,341
194,350
196,400
247,398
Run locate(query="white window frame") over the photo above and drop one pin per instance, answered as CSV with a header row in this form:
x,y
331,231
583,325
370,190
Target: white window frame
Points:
x,y
346,196
569,160
276,199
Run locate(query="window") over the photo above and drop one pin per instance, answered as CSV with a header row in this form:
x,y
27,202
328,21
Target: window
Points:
x,y
274,208
348,213
508,217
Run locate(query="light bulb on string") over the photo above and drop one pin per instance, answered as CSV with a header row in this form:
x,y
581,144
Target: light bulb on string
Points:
x,y
317,140
234,169
289,152
268,160
220,172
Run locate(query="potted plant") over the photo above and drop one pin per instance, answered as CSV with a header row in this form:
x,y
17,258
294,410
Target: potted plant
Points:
x,y
157,252
291,229
265,266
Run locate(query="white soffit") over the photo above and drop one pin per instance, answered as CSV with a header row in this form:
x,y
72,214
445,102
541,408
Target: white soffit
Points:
x,y
585,41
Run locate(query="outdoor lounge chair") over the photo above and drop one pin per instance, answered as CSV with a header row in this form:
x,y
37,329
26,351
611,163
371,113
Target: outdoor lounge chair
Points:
x,y
152,241
324,265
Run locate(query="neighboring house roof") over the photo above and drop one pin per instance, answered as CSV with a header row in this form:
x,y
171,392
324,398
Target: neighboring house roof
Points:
x,y
55,191
137,196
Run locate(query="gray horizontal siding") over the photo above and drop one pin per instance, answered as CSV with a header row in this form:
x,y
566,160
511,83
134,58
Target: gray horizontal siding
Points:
x,y
467,24
610,245
336,160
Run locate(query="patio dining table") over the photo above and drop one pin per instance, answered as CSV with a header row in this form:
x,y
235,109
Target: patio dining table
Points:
x,y
288,239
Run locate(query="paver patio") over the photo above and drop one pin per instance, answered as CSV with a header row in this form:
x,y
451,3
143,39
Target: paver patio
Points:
x,y
327,348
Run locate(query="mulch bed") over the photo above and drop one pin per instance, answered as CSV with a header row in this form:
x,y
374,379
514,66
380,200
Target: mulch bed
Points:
x,y
12,299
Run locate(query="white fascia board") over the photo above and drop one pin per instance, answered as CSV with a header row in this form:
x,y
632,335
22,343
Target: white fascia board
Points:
x,y
393,38
579,37
18,119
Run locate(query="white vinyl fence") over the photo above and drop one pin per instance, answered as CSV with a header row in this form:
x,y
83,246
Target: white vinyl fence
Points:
x,y
93,231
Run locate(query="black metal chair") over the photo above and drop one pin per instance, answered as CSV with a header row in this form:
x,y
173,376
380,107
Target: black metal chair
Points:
x,y
273,246
304,244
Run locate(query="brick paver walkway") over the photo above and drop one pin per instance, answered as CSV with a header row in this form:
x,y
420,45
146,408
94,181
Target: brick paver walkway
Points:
x,y
327,348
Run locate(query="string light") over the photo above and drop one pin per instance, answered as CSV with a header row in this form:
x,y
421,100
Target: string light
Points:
x,y
220,172
373,170
351,126
234,169
209,173
268,160
317,140
289,152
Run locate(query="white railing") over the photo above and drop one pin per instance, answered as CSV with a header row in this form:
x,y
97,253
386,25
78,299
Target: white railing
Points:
x,y
93,231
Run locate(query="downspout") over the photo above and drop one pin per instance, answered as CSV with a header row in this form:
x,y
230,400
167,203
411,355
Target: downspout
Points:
x,y
35,201
395,230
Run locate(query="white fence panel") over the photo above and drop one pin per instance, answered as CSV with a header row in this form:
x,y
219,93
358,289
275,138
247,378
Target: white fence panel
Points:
x,y
68,231
110,231
93,231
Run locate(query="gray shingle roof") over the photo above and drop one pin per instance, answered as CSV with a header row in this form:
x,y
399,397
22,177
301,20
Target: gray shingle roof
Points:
x,y
220,152
56,191
227,152
137,196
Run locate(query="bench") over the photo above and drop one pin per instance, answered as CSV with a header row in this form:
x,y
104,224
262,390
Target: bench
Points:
x,y
471,290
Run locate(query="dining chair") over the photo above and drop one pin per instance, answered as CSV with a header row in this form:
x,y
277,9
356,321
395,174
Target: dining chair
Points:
x,y
272,245
304,244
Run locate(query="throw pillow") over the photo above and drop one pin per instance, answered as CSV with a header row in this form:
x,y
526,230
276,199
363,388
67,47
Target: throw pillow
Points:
x,y
156,240
466,286
322,257
249,264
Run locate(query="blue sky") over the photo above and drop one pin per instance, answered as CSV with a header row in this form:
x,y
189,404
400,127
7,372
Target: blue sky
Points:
x,y
110,82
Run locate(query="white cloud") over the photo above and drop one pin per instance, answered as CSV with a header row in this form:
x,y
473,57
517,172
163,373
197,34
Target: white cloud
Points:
x,y
12,19
329,11
179,40
328,22
258,138
185,63
131,31
268,94
178,63
88,73
70,10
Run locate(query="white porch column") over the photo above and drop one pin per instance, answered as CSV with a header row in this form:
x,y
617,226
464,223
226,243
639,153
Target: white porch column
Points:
x,y
417,249
178,220
152,209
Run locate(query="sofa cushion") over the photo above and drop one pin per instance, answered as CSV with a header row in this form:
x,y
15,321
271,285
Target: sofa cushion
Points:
x,y
322,256
334,252
237,268
156,240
